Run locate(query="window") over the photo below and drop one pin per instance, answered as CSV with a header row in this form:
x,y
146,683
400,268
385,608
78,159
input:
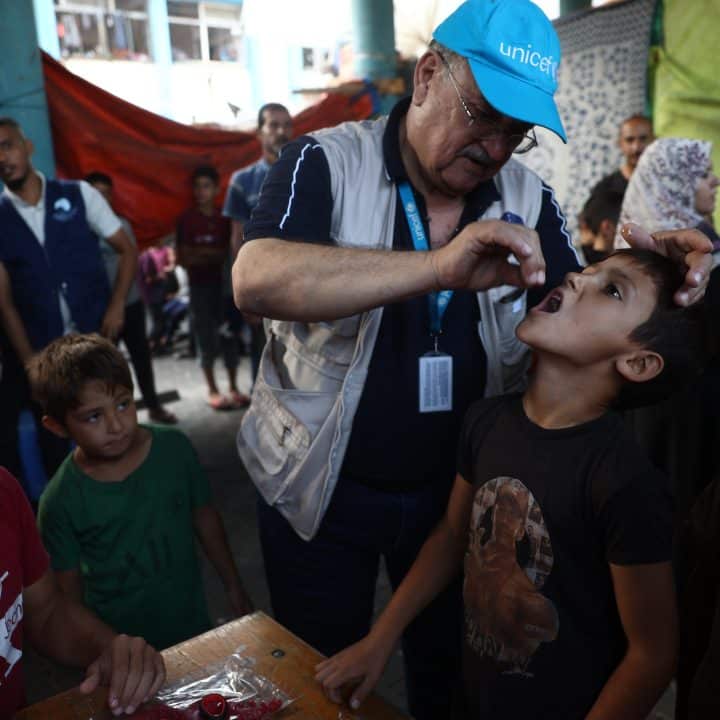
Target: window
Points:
x,y
103,28
204,31
308,58
185,42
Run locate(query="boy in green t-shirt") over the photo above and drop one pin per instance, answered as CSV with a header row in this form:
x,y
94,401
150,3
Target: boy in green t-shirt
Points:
x,y
118,516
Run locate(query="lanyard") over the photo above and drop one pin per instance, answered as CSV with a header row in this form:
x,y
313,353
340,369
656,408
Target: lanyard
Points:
x,y
437,301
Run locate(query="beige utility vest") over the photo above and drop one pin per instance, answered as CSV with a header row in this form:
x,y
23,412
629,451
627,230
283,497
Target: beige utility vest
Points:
x,y
293,437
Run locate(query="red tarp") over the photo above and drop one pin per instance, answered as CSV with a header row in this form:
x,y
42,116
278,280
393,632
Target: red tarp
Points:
x,y
150,158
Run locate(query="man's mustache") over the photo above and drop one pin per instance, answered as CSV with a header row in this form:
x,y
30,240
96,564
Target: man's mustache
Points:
x,y
477,155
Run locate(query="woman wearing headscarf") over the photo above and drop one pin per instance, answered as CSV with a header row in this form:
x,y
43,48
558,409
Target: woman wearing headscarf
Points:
x,y
674,186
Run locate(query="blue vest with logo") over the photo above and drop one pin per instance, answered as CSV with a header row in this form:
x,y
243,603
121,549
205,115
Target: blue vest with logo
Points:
x,y
70,263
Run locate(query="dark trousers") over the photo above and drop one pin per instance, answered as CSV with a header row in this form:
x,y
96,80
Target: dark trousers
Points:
x,y
323,590
158,321
14,397
135,338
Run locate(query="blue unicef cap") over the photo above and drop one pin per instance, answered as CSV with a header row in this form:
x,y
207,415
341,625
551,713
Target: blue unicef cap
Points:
x,y
514,55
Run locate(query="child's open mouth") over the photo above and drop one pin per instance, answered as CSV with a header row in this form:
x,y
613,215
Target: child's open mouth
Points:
x,y
552,303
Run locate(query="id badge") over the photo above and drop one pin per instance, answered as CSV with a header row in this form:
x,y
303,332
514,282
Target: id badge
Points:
x,y
436,377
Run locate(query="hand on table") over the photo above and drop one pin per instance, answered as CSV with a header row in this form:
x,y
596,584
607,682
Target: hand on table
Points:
x,y
360,665
134,670
690,248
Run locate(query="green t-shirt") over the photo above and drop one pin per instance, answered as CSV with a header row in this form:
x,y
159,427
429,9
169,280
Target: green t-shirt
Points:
x,y
133,541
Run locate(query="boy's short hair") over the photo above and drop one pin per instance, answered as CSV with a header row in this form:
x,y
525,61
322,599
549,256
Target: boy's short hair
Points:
x,y
58,373
604,204
205,171
97,177
674,332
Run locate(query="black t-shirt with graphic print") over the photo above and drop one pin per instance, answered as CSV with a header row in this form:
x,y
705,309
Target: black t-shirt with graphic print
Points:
x,y
551,510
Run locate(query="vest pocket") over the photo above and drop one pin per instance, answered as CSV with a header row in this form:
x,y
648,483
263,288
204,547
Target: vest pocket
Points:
x,y
272,430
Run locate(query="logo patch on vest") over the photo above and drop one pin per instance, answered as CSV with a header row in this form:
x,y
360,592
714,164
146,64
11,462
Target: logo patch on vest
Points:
x,y
63,210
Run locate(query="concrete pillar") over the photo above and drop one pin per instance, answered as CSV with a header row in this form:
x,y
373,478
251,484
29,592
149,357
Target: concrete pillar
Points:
x,y
46,27
570,6
159,29
374,43
161,52
374,39
22,87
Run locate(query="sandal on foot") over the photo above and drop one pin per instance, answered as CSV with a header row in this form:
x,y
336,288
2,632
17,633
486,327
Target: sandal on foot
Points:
x,y
238,399
219,402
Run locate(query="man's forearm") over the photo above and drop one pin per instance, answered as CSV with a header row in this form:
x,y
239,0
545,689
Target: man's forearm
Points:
x,y
635,687
71,634
16,333
127,270
299,281
11,321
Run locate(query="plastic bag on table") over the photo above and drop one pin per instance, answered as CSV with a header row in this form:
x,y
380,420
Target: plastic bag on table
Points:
x,y
246,694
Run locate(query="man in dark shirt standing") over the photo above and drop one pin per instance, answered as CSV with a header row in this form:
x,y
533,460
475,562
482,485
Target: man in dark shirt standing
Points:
x,y
635,135
274,132
203,246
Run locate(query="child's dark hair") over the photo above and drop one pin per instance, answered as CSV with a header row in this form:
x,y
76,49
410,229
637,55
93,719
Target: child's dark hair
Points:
x,y
58,373
603,204
205,171
675,333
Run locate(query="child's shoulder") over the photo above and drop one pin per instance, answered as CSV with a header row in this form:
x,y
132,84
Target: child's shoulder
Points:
x,y
623,465
62,484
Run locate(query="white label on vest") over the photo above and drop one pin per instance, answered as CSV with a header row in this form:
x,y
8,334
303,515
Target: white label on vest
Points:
x,y
436,371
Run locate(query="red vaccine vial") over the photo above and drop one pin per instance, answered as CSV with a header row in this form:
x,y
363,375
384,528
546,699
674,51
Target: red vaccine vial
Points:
x,y
213,707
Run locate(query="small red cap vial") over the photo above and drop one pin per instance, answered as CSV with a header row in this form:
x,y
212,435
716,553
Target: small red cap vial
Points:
x,y
213,707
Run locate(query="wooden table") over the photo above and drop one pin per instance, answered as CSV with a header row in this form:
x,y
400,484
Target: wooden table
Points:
x,y
292,670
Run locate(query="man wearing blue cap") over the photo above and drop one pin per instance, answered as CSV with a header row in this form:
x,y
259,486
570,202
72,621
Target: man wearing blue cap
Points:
x,y
376,351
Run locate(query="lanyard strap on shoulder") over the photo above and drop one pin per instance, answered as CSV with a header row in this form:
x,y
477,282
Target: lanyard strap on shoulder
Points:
x,y
437,301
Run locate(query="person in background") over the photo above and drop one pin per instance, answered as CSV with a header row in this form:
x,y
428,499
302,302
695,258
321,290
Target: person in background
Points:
x,y
35,609
673,186
274,129
133,333
52,279
635,135
203,247
154,264
600,215
120,517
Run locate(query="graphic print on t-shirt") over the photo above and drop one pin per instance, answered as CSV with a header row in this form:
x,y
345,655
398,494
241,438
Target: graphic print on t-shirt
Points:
x,y
9,654
508,559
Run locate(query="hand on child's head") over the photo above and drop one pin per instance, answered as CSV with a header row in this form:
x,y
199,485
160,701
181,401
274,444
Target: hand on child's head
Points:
x,y
690,248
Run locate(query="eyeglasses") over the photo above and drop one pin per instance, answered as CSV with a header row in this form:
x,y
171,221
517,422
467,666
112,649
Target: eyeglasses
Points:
x,y
520,142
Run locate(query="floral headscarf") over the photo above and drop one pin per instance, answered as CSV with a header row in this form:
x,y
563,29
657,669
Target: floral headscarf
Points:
x,y
661,191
